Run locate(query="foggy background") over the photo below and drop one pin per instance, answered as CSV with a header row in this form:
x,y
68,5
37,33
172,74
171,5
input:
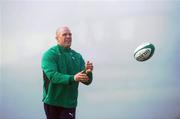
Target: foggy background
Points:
x,y
106,33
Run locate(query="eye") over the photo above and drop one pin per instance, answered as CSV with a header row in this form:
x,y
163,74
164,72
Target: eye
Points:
x,y
69,34
66,34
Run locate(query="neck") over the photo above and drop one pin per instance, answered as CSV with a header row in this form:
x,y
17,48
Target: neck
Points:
x,y
65,47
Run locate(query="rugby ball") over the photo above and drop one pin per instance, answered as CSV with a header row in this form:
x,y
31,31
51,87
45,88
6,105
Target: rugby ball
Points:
x,y
144,51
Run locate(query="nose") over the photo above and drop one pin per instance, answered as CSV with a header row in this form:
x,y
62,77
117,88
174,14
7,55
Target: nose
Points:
x,y
68,35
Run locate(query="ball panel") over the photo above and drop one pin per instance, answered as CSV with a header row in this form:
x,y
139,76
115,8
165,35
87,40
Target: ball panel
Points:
x,y
141,47
143,54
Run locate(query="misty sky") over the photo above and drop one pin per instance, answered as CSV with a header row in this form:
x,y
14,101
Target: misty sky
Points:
x,y
106,33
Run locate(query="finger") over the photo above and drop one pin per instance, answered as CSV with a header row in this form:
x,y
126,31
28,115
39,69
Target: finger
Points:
x,y
88,71
90,67
89,64
84,77
82,72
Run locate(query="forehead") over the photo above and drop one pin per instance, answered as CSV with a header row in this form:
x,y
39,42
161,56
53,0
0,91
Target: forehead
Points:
x,y
63,30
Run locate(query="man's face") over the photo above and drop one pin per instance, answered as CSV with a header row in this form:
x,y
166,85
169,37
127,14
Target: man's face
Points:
x,y
64,37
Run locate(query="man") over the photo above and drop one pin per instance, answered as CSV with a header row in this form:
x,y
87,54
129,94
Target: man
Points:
x,y
63,69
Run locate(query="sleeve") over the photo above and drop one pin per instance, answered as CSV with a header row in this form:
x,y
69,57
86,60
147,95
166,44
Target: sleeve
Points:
x,y
90,74
49,65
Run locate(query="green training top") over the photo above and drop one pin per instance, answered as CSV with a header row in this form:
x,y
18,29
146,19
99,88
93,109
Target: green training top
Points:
x,y
59,66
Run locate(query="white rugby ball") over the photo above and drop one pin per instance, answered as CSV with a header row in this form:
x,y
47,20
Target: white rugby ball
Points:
x,y
144,51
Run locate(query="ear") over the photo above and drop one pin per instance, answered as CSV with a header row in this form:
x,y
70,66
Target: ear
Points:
x,y
56,38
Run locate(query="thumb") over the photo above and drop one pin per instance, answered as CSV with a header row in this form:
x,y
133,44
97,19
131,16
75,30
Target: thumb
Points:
x,y
83,71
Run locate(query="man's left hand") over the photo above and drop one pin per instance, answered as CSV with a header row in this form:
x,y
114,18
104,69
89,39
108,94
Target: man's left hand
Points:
x,y
89,67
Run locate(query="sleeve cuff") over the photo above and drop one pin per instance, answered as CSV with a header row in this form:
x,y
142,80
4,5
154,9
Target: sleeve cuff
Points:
x,y
71,79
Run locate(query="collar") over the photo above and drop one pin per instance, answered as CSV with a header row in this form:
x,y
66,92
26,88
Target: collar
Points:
x,y
63,49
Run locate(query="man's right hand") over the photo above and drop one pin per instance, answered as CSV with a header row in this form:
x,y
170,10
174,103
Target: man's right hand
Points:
x,y
81,77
